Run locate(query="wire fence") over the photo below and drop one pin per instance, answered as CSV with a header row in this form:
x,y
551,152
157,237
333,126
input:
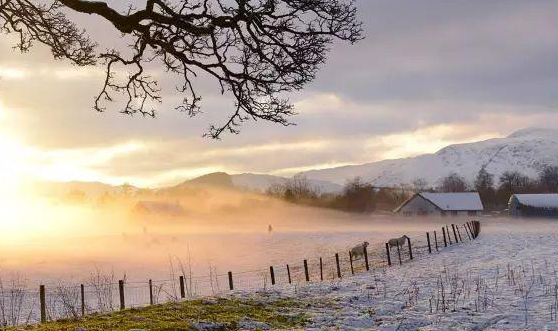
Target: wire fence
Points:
x,y
103,293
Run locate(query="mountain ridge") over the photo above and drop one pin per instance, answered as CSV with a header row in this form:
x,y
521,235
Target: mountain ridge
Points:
x,y
527,150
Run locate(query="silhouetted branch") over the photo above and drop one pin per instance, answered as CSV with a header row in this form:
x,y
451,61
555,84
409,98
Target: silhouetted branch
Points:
x,y
255,49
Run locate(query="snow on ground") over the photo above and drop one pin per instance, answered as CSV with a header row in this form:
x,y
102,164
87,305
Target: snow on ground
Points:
x,y
504,280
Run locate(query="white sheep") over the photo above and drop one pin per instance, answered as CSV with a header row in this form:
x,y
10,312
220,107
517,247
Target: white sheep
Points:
x,y
358,250
397,241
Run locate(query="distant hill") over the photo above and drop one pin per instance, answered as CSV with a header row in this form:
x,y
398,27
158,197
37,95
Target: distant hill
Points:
x,y
261,182
252,182
527,151
217,179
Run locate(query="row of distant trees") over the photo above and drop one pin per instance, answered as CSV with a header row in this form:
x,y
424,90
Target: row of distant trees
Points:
x,y
495,196
361,196
356,196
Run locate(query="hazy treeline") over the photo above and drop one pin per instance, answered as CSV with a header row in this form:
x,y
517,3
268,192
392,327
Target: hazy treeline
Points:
x,y
495,195
361,196
356,196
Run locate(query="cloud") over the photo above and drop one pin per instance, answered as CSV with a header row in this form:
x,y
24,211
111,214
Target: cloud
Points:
x,y
429,73
12,73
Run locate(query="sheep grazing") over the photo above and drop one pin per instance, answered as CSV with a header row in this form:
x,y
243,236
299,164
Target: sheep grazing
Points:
x,y
358,250
397,241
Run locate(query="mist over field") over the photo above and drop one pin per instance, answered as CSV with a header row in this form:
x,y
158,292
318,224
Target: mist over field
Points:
x,y
61,238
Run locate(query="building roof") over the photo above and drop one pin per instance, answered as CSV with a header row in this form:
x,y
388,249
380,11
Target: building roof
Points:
x,y
538,200
462,201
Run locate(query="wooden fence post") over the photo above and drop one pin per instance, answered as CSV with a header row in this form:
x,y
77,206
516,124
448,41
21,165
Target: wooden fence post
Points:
x,y
428,240
387,254
231,284
444,233
306,272
366,258
410,249
448,234
454,233
467,231
121,292
436,240
478,227
289,274
459,233
321,270
42,299
474,230
151,292
399,254
338,266
272,274
470,230
182,289
82,292
351,261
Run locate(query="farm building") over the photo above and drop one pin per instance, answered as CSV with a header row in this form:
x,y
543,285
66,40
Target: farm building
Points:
x,y
158,208
442,204
533,205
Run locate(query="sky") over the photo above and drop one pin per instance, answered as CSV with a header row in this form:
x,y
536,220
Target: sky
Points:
x,y
428,74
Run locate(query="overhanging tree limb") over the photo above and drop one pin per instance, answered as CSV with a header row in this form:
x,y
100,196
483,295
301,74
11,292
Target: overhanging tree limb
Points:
x,y
255,49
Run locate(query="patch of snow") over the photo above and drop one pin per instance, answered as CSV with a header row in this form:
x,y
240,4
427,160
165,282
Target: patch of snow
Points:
x,y
207,326
503,280
248,324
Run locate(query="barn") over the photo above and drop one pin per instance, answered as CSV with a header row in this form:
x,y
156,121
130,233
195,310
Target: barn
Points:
x,y
442,204
533,205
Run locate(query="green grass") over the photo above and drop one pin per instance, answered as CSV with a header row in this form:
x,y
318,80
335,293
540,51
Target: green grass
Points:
x,y
178,316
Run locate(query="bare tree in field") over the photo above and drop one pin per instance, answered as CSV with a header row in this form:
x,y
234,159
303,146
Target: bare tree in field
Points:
x,y
548,179
255,49
484,184
453,183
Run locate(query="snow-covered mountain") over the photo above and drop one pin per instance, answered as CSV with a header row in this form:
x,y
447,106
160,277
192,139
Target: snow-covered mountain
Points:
x,y
261,182
527,151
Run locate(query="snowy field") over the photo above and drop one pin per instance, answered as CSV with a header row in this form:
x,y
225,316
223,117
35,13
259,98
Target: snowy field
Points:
x,y
504,280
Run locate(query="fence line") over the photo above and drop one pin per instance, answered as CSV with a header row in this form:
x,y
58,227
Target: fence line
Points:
x,y
104,294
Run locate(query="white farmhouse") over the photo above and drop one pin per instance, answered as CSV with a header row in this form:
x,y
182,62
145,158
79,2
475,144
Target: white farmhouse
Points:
x,y
442,204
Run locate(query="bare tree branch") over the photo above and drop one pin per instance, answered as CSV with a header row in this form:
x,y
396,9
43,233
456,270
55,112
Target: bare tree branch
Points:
x,y
255,49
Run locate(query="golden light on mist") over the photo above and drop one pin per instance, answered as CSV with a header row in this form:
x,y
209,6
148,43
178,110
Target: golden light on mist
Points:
x,y
10,154
12,73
